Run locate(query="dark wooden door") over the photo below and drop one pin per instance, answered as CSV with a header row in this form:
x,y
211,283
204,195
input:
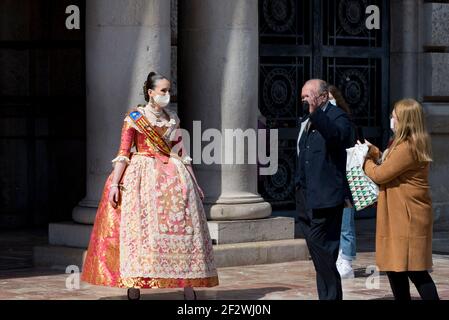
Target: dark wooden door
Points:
x,y
42,112
327,39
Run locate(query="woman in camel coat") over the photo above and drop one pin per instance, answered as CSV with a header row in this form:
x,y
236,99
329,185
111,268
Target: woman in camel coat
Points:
x,y
404,211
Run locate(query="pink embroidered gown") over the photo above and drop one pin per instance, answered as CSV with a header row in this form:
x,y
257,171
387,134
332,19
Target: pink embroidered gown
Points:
x,y
157,237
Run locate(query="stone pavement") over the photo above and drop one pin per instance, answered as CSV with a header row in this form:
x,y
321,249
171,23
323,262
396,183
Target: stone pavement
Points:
x,y
286,281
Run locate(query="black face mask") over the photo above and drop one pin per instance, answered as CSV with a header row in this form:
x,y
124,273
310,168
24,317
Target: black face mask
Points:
x,y
305,108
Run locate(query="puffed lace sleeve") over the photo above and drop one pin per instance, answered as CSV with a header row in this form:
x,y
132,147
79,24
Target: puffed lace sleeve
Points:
x,y
126,143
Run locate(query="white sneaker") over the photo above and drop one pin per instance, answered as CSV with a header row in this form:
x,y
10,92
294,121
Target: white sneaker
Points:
x,y
344,268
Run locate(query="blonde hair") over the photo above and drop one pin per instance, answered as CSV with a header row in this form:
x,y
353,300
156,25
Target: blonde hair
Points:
x,y
410,127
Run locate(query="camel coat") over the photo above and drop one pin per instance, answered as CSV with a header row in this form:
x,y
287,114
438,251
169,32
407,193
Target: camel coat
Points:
x,y
404,210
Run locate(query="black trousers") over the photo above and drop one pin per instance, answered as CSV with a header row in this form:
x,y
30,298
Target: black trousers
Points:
x,y
421,279
321,229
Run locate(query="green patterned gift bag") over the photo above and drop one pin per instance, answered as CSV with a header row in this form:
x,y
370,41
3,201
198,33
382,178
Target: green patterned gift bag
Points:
x,y
363,190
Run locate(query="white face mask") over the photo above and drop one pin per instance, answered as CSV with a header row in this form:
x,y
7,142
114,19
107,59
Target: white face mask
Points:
x,y
333,101
162,100
392,124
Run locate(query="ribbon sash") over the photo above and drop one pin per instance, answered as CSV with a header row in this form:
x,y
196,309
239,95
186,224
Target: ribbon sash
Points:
x,y
151,133
143,124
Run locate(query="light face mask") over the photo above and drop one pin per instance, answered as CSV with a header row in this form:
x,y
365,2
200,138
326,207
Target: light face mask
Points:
x,y
333,101
162,100
392,124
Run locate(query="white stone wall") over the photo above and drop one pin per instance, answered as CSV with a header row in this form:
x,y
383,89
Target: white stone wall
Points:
x,y
437,25
436,38
435,86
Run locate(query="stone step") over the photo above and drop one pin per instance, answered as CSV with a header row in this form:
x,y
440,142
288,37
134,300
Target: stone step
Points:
x,y
238,231
226,255
77,235
69,234
58,257
261,252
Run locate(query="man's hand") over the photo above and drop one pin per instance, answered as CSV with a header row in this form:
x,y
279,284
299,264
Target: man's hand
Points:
x,y
313,106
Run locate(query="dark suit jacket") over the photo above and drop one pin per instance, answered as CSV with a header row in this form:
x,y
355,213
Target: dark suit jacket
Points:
x,y
321,166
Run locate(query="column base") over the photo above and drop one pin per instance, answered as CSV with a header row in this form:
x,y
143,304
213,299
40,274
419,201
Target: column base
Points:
x,y
238,209
85,212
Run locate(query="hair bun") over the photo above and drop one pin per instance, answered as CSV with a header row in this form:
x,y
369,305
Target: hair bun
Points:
x,y
150,83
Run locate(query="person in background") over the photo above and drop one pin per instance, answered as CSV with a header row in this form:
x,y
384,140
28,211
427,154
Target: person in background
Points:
x,y
347,252
404,209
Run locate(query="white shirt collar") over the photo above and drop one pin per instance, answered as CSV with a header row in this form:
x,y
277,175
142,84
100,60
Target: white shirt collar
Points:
x,y
325,106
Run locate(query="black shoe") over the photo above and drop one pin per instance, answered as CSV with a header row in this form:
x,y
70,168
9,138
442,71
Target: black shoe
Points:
x,y
133,294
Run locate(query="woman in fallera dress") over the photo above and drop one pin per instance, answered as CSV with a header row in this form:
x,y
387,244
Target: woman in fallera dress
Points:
x,y
150,230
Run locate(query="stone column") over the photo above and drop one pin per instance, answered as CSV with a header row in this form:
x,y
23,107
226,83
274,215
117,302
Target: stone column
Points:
x,y
124,41
405,49
218,85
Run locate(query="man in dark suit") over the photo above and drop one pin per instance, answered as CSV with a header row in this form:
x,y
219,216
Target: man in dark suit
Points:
x,y
321,180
